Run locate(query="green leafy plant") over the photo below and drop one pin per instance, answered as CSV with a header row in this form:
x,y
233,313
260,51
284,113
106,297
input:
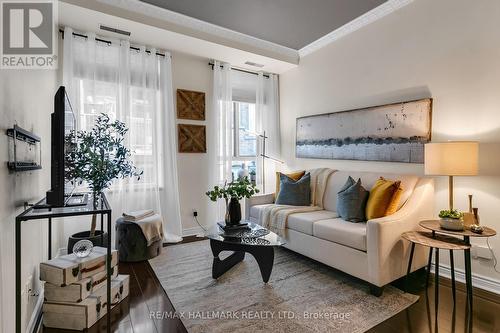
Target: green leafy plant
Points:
x,y
451,214
238,189
97,157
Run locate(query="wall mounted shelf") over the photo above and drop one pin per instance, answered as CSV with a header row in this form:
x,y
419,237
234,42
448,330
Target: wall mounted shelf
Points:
x,y
18,135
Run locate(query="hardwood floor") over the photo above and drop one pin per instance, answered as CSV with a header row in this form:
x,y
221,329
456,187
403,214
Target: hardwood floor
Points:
x,y
147,297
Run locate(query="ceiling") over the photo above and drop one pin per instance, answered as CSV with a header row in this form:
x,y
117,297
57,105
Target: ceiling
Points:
x,y
290,23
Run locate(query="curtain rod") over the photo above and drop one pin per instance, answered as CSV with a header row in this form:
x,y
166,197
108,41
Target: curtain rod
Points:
x,y
108,42
240,70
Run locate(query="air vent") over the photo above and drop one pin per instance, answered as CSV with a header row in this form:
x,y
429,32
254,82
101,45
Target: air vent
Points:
x,y
254,64
116,31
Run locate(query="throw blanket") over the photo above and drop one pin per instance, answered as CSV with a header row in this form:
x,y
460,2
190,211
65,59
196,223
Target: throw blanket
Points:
x,y
137,215
275,217
151,226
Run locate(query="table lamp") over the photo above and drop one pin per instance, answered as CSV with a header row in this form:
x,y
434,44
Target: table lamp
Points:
x,y
452,158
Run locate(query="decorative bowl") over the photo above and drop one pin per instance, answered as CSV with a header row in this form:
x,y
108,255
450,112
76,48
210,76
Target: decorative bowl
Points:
x,y
83,248
451,224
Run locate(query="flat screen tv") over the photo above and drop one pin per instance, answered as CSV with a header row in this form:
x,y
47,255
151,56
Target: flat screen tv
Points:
x,y
63,121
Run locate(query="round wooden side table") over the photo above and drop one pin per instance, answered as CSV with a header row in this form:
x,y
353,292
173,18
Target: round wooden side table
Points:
x,y
434,241
436,230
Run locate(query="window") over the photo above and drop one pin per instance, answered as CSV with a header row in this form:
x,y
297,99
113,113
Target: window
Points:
x,y
245,140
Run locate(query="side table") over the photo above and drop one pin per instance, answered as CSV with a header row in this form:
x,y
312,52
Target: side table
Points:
x,y
435,227
435,241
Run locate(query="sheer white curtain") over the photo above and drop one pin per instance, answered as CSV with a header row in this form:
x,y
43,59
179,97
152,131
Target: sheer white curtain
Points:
x,y
220,136
134,87
268,121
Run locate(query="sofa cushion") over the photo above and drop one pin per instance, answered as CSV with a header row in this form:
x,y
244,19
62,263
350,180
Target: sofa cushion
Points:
x,y
351,201
296,175
342,232
382,195
295,193
303,222
368,179
257,209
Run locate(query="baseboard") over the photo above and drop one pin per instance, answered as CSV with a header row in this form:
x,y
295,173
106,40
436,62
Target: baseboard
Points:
x,y
192,231
478,281
35,320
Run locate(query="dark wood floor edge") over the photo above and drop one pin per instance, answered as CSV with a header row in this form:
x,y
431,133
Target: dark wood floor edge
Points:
x,y
478,292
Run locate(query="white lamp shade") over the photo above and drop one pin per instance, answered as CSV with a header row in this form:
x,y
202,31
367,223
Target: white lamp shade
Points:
x,y
454,158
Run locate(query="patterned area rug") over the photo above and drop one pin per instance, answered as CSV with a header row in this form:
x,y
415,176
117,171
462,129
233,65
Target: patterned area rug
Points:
x,y
301,296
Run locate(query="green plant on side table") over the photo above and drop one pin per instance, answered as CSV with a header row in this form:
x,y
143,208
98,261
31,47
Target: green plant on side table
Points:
x,y
232,194
97,157
451,220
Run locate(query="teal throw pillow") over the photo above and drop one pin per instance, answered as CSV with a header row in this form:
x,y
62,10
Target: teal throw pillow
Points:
x,y
295,193
351,201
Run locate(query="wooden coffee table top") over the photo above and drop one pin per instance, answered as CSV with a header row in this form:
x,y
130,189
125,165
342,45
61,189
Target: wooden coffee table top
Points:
x,y
444,242
434,226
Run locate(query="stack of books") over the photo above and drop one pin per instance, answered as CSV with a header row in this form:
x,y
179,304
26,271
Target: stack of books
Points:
x,y
76,289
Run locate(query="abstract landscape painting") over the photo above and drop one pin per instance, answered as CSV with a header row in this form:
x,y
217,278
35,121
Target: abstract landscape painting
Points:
x,y
392,133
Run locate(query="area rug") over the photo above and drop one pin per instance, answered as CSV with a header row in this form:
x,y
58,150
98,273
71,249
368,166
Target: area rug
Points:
x,y
301,296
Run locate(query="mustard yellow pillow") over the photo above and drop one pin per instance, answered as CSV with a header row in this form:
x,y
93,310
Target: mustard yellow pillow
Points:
x,y
296,175
384,198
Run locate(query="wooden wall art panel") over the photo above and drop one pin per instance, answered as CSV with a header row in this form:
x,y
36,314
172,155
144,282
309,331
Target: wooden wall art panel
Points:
x,y
192,138
190,104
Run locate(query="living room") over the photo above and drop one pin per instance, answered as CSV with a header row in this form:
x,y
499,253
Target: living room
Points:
x,y
319,135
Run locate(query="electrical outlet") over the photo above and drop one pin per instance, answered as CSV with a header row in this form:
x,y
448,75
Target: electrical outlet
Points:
x,y
481,251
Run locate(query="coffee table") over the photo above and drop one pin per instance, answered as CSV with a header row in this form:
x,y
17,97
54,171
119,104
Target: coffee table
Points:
x,y
241,242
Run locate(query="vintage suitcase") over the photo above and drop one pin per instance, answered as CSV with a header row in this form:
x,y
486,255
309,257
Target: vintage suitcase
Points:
x,y
68,269
77,291
82,315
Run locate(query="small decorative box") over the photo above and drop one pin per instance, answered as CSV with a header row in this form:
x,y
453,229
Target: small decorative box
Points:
x,y
67,269
77,291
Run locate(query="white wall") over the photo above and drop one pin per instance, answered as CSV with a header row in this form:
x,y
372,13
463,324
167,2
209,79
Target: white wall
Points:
x,y
26,98
446,49
193,73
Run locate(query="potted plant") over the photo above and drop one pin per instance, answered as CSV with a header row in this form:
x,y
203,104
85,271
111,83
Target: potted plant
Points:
x,y
451,220
232,194
97,157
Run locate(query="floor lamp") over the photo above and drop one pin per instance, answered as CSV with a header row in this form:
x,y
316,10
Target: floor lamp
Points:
x,y
264,158
452,158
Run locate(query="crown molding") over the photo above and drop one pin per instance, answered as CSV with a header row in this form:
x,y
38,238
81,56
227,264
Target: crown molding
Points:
x,y
202,27
371,16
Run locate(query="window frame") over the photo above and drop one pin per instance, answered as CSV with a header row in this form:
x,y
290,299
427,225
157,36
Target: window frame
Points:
x,y
236,135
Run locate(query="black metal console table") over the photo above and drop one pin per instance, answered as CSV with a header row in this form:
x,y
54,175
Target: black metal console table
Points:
x,y
102,208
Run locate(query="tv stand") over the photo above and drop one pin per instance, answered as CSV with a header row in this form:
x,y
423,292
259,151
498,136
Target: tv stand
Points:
x,y
44,211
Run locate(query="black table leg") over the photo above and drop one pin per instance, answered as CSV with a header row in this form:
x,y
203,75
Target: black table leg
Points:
x,y
18,275
436,289
264,255
428,268
219,267
452,264
108,269
468,280
409,266
102,228
50,238
265,258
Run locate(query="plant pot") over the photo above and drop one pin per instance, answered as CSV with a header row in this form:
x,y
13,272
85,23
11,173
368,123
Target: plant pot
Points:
x,y
451,224
234,209
96,240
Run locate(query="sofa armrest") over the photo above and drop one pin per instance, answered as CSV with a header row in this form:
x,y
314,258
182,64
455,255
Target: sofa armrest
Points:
x,y
255,200
387,253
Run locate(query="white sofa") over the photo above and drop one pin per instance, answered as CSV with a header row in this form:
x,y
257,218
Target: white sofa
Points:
x,y
372,251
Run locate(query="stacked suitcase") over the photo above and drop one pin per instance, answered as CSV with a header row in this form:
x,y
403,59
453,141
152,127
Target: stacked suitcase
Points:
x,y
76,289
